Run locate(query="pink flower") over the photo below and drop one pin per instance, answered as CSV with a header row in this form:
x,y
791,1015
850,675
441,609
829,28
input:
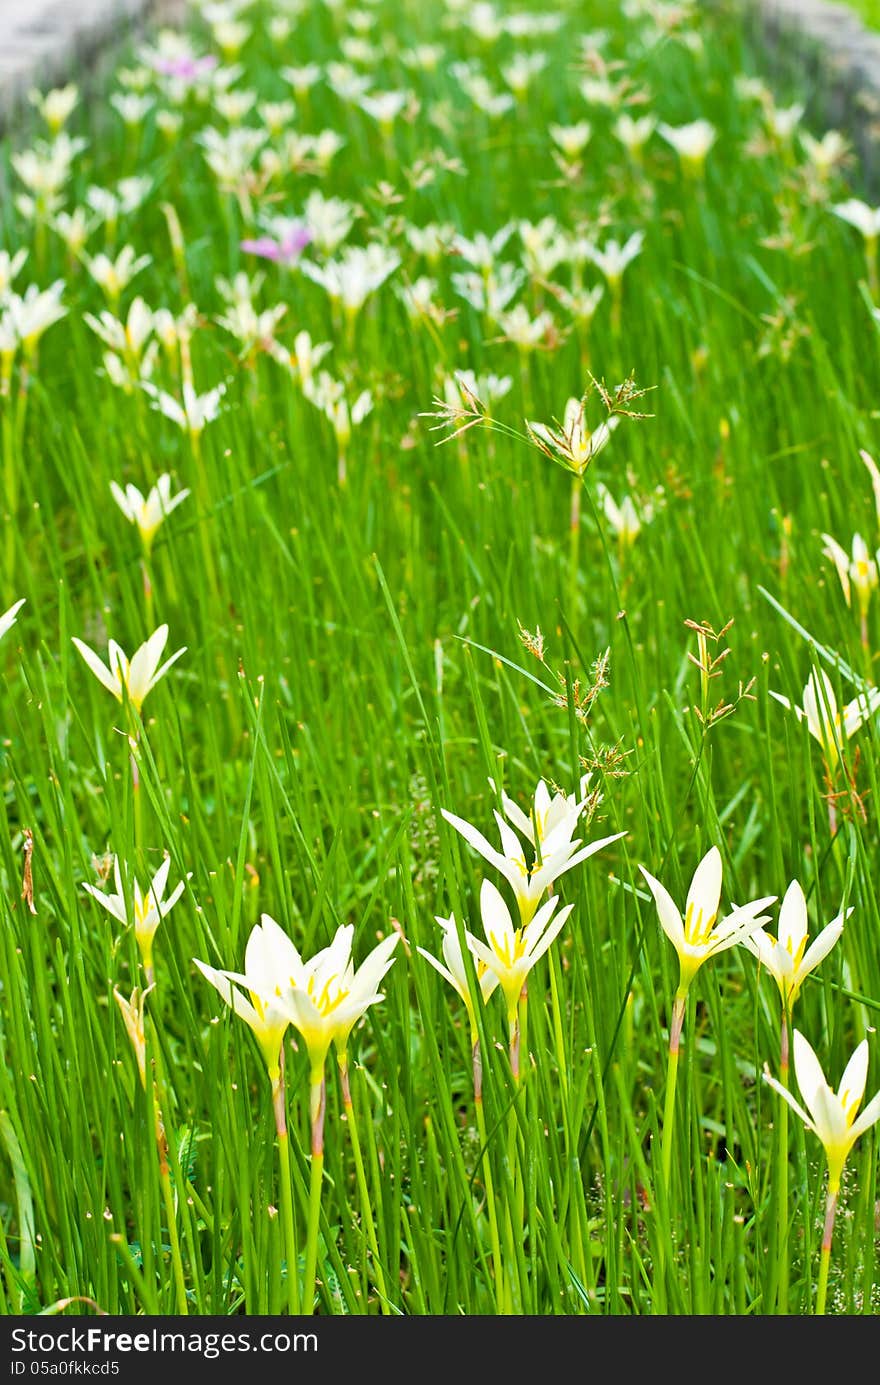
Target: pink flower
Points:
x,y
284,250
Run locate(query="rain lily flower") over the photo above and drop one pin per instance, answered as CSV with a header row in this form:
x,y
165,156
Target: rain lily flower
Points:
x,y
194,412
285,250
833,1117
255,996
149,512
481,251
330,397
573,444
325,997
31,315
550,821
857,213
825,154
857,573
571,140
358,273
526,332
464,387
10,265
302,79
512,952
304,359
148,909
56,106
113,276
385,106
7,620
634,133
558,854
866,220
701,934
696,938
491,291
453,970
787,958
612,260
270,960
132,679
830,726
520,71
874,473
328,220
691,142
132,1011
623,518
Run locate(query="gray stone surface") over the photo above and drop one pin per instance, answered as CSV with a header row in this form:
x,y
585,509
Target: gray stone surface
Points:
x,y
826,46
46,42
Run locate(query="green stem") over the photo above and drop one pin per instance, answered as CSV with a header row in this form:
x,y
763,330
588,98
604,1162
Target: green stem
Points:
x,y
363,1192
317,1099
678,1008
174,1240
574,546
277,1080
497,1262
825,1261
782,1170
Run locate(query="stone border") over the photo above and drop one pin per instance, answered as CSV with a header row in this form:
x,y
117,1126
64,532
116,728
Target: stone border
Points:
x,y
46,42
828,44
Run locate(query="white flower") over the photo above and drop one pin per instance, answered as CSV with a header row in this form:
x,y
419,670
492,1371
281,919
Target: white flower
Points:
x,y
481,251
691,142
634,133
453,969
115,275
326,996
56,106
384,106
513,952
701,935
10,266
328,220
865,219
269,961
857,573
491,292
614,258
31,315
194,411
622,517
573,444
355,275
526,332
827,724
571,139
131,679
149,907
7,619
787,958
832,1116
148,512
558,855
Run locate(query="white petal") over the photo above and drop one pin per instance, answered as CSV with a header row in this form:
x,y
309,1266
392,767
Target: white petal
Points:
x,y
793,918
670,918
497,923
99,669
704,894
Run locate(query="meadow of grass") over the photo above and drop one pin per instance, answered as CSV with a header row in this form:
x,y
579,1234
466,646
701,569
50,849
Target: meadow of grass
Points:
x,y
414,613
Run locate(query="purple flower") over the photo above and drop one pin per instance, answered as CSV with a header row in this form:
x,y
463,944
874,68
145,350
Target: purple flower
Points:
x,y
184,66
285,250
